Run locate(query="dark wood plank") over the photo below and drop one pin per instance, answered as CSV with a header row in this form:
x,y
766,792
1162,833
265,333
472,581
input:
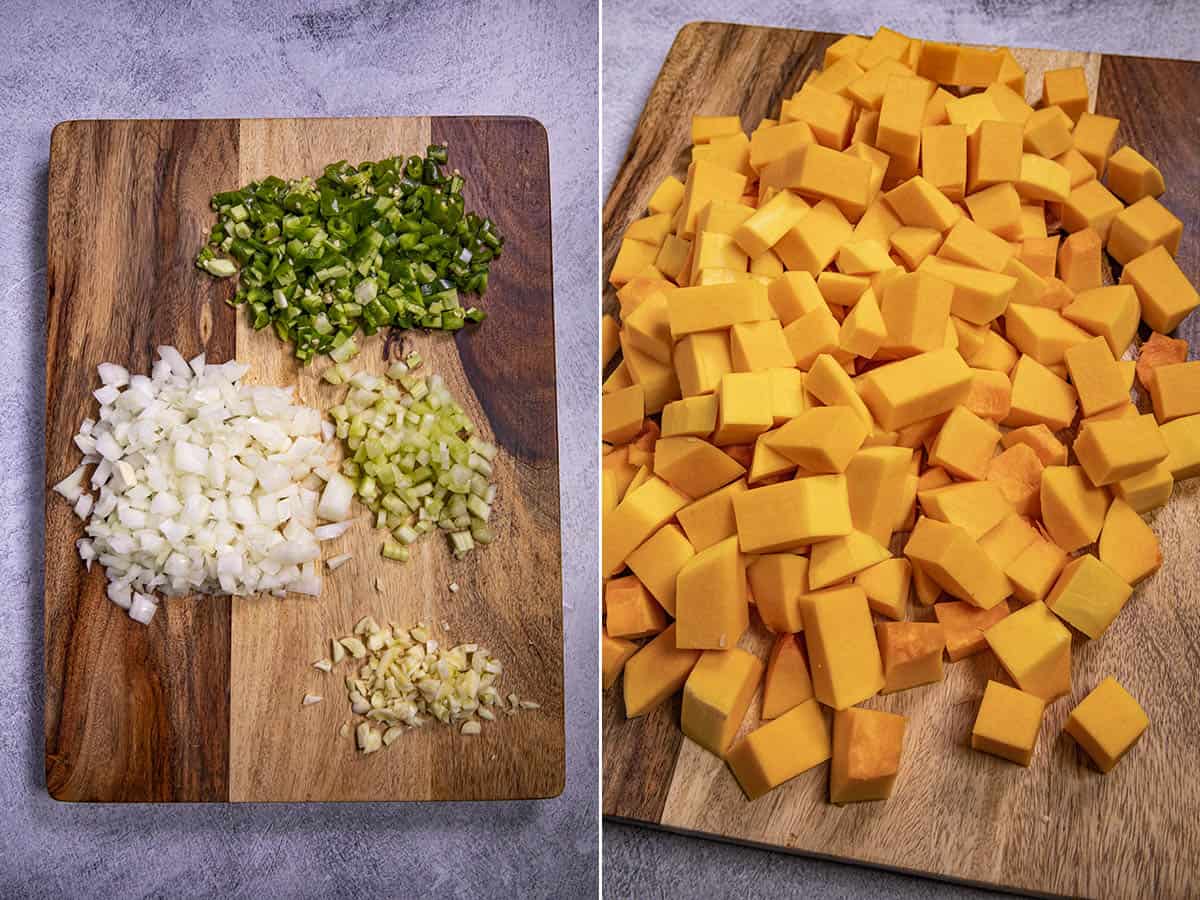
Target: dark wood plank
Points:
x,y
132,713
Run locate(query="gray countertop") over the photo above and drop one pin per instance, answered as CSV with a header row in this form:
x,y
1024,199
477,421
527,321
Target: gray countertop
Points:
x,y
642,863
329,58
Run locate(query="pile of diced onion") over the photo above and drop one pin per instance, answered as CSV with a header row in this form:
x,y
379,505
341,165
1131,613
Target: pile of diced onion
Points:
x,y
413,458
202,485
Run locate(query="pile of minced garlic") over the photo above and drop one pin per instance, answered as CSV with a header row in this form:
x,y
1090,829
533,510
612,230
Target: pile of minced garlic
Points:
x,y
406,679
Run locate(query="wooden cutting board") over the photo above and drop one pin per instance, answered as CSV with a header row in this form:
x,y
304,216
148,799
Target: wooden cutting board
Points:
x,y
204,704
1059,826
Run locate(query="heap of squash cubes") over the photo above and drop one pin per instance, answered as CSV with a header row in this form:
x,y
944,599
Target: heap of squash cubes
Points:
x,y
881,320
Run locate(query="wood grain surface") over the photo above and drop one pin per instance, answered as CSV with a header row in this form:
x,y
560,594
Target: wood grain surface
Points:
x,y
205,703
1058,827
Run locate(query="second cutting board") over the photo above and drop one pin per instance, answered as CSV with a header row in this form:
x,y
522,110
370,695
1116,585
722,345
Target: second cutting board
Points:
x,y
204,704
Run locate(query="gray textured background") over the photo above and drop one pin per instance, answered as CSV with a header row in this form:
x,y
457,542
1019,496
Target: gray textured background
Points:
x,y
159,59
637,35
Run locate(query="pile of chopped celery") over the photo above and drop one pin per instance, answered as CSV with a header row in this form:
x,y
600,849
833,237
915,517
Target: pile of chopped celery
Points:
x,y
413,457
385,244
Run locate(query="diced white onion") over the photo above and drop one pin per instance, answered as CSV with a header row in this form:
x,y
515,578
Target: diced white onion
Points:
x,y
200,483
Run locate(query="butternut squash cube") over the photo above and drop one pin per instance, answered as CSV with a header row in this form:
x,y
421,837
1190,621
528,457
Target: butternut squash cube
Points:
x,y
710,598
840,558
765,463
787,683
632,257
863,331
963,625
1035,569
1088,595
886,585
901,117
863,258
1091,205
917,202
744,409
655,672
948,555
791,514
1008,723
972,245
667,196
811,244
839,289
821,439
1034,648
1175,391
693,465
997,208
706,181
875,488
1010,102
1042,333
673,257
867,747
1164,291
878,222
1006,541
1077,166
990,396
1066,88
762,230
912,244
788,396
972,111
1140,228
657,562
770,144
828,382
1147,490
691,417
1079,260
1049,449
614,653
848,46
867,91
1039,397
916,388
780,750
778,582
1107,723
1183,442
1131,176
650,229
830,116
965,445
630,611
944,159
1128,546
846,667
793,294
1047,132
1040,255
755,346
622,414
705,128
717,306
1096,376
1113,449
701,360
975,506
1043,179
712,250
641,513
1111,312
1072,507
911,652
915,308
710,520
1018,473
716,695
